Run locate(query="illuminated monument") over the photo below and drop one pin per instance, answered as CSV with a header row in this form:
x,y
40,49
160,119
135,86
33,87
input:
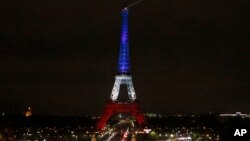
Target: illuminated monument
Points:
x,y
123,77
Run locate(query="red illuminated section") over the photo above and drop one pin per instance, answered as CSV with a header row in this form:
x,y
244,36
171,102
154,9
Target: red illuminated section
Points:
x,y
113,108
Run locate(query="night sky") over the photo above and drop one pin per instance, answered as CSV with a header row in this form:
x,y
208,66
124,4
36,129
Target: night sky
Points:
x,y
188,56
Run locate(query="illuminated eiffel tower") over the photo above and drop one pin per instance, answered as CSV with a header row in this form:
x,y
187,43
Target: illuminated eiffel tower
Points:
x,y
123,77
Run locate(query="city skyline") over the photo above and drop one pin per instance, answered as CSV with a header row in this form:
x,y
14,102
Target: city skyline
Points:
x,y
187,57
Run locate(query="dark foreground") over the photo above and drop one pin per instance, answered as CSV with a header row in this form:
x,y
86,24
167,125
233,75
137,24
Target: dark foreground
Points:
x,y
210,127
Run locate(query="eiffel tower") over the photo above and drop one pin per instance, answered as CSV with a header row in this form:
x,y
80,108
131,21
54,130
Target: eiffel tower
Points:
x,y
123,77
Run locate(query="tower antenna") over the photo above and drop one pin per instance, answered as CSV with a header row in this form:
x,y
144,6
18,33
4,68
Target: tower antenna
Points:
x,y
124,4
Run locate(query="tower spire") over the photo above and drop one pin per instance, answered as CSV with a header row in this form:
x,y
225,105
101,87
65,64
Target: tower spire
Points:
x,y
124,3
124,61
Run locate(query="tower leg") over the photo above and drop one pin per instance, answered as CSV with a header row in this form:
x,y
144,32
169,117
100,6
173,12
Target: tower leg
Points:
x,y
105,117
131,90
116,89
113,108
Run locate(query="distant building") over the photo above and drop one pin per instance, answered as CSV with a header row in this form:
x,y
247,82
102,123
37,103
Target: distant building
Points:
x,y
237,114
28,112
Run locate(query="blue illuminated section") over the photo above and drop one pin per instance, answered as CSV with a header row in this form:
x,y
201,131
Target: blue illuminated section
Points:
x,y
124,62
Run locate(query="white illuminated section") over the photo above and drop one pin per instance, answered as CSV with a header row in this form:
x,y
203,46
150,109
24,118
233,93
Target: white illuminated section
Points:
x,y
119,80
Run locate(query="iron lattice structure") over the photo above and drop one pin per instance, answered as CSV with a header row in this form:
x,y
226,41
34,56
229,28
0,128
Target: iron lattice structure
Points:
x,y
112,109
123,77
124,62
